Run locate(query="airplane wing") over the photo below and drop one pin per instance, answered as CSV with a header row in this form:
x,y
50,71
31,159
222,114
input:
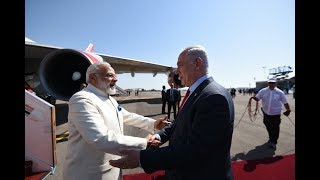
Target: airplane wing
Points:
x,y
35,53
50,68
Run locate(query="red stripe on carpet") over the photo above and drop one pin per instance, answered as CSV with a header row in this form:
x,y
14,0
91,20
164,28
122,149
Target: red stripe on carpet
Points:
x,y
273,168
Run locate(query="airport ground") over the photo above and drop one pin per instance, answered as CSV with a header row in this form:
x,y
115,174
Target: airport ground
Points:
x,y
249,136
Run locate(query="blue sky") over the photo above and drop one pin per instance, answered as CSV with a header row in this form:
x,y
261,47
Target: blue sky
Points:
x,y
241,36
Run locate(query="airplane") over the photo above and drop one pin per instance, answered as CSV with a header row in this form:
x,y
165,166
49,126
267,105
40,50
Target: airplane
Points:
x,y
57,72
285,78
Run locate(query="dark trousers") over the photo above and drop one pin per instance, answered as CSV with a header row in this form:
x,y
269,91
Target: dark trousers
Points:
x,y
163,107
272,123
172,104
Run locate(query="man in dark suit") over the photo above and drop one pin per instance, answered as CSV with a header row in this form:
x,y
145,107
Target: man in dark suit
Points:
x,y
201,135
163,99
172,99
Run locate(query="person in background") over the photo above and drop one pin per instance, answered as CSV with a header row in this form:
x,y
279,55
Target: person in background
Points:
x,y
83,85
179,97
172,99
200,137
163,99
272,99
95,125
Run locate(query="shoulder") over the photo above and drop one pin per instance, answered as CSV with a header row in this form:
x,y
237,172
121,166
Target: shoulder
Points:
x,y
215,90
265,89
81,95
279,91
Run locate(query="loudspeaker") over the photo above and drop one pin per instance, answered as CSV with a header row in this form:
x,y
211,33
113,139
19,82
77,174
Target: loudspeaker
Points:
x,y
62,71
173,77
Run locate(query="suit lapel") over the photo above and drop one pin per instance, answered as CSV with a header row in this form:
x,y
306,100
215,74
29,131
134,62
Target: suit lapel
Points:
x,y
190,100
194,94
202,86
197,91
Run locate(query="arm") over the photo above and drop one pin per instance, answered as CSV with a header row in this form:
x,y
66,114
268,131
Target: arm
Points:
x,y
288,111
208,141
258,96
287,106
85,118
143,122
254,97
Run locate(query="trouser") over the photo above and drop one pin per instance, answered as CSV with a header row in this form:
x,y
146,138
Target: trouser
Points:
x,y
272,123
163,107
170,104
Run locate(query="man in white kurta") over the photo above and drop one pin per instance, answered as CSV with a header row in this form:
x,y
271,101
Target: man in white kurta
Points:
x,y
95,122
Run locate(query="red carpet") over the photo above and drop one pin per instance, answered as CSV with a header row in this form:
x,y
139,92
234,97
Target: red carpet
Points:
x,y
37,176
274,168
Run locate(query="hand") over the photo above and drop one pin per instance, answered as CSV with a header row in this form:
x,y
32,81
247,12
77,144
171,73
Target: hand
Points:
x,y
161,123
129,160
287,112
153,141
152,137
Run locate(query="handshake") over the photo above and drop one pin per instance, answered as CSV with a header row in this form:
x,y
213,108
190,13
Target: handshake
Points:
x,y
153,141
287,112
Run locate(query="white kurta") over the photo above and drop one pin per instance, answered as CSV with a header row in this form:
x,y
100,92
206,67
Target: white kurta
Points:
x,y
96,135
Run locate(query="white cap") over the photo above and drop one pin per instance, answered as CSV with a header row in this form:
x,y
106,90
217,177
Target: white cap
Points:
x,y
272,80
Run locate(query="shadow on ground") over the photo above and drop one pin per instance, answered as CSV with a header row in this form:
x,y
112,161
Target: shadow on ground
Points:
x,y
262,154
259,152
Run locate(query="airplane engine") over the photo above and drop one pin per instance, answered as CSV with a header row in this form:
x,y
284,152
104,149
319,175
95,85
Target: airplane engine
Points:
x,y
173,77
62,71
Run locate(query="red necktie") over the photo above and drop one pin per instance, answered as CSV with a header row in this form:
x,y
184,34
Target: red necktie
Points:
x,y
184,99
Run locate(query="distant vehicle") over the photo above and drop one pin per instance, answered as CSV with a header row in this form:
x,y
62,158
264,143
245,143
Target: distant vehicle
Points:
x,y
285,79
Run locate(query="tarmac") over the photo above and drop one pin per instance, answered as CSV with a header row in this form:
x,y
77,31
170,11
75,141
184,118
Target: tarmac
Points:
x,y
249,135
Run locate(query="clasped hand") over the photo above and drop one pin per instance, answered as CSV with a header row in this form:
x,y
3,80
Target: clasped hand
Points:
x,y
130,157
152,141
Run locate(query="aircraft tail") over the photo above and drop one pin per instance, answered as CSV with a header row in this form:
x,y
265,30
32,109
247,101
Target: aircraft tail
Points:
x,y
90,48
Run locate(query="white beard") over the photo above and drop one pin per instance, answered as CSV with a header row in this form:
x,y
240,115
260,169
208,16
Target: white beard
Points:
x,y
107,88
111,90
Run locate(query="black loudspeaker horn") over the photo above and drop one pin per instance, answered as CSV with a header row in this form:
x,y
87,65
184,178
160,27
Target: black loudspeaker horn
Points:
x,y
173,77
62,71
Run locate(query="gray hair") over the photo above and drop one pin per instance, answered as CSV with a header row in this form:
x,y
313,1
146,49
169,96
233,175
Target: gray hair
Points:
x,y
95,68
193,52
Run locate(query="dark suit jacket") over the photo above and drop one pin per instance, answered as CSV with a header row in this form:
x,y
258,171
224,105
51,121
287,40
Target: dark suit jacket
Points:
x,y
199,138
163,95
175,95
